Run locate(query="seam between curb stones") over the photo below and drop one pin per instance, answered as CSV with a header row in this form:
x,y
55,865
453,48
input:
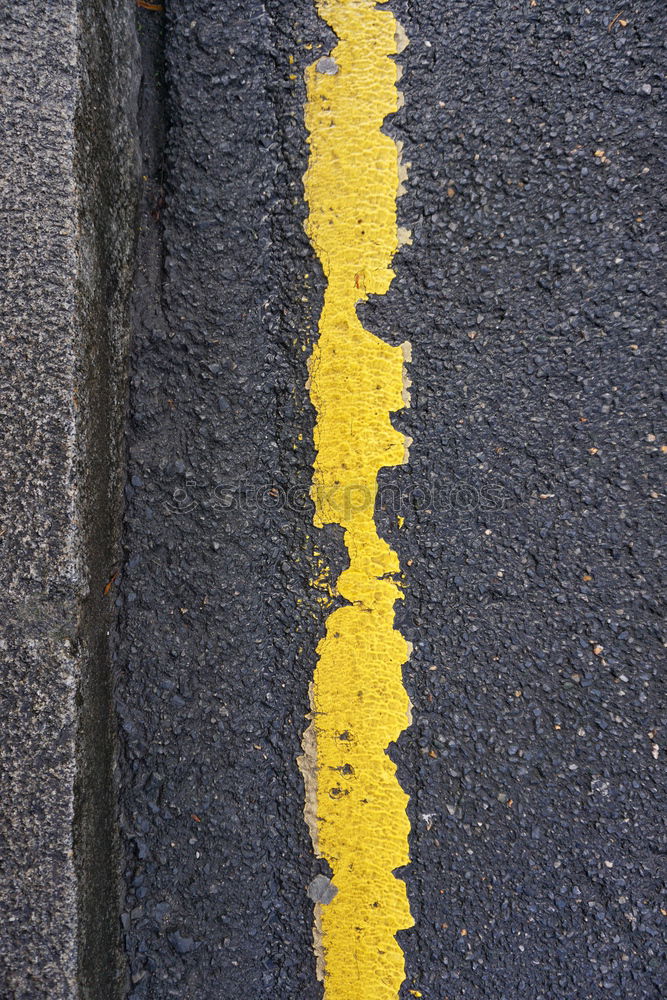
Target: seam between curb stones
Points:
x,y
106,173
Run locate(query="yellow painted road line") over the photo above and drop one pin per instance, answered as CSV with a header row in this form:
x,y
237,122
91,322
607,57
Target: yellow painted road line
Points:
x,y
356,808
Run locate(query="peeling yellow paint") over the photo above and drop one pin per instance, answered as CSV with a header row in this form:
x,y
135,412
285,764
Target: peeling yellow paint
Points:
x,y
322,582
356,808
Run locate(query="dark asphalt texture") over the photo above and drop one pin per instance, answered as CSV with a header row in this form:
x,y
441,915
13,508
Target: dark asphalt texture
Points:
x,y
533,295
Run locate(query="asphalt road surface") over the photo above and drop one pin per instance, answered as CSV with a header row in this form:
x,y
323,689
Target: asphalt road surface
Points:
x,y
529,520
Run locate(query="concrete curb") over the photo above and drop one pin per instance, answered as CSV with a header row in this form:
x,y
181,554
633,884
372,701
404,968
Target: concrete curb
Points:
x,y
67,205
